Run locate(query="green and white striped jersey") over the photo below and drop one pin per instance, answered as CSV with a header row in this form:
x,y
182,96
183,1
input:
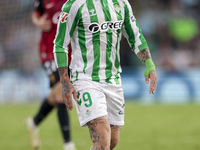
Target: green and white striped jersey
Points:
x,y
94,28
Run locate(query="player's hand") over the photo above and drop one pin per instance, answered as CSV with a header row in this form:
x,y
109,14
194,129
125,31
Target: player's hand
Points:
x,y
44,23
67,91
153,81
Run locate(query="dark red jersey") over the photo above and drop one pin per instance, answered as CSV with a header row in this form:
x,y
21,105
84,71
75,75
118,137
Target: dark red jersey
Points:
x,y
53,9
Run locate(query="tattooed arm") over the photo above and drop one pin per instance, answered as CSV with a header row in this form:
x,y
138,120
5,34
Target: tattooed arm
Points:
x,y
145,56
67,88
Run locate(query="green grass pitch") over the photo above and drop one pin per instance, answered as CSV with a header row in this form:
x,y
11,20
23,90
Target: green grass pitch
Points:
x,y
150,127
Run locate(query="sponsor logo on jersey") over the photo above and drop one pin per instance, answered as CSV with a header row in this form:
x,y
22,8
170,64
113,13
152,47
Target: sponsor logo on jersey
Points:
x,y
64,17
56,17
95,27
133,18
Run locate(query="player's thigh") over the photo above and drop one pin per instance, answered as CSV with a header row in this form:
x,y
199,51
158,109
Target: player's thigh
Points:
x,y
51,70
99,129
55,94
91,101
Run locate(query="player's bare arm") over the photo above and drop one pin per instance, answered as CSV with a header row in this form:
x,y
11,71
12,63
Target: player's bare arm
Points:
x,y
144,55
67,87
42,22
150,72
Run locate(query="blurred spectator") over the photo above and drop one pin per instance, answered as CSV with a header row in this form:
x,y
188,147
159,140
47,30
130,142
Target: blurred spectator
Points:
x,y
170,28
1,57
184,29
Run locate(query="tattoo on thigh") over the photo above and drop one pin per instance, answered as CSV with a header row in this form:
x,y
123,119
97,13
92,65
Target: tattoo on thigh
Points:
x,y
93,133
115,128
93,130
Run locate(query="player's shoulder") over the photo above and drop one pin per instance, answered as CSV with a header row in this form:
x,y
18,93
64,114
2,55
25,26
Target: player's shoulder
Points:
x,y
124,1
75,4
67,5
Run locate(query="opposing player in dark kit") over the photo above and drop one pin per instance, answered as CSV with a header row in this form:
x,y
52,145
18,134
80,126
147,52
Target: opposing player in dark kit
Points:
x,y
45,16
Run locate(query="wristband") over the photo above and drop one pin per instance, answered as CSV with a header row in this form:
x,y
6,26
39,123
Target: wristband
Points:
x,y
150,67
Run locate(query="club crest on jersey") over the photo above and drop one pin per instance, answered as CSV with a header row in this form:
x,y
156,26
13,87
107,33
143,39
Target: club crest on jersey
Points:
x,y
64,17
95,27
117,9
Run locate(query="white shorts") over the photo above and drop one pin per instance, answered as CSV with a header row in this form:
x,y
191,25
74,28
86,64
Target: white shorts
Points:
x,y
98,99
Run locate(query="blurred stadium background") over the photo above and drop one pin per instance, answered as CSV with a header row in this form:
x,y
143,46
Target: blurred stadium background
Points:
x,y
171,28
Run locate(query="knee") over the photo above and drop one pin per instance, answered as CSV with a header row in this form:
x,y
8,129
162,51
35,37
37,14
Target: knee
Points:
x,y
51,101
114,142
56,93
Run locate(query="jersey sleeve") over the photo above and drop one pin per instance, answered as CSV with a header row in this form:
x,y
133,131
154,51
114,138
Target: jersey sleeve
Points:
x,y
65,29
38,6
132,31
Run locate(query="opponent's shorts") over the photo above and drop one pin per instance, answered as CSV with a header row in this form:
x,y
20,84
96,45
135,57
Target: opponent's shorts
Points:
x,y
97,99
52,72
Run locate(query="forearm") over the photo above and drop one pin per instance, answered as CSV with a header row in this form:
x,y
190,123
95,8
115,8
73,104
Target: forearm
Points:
x,y
41,21
35,19
65,80
143,55
67,88
63,73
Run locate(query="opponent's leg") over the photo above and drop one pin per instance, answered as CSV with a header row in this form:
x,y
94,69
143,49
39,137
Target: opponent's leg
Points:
x,y
64,121
44,110
32,123
115,134
63,117
100,133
